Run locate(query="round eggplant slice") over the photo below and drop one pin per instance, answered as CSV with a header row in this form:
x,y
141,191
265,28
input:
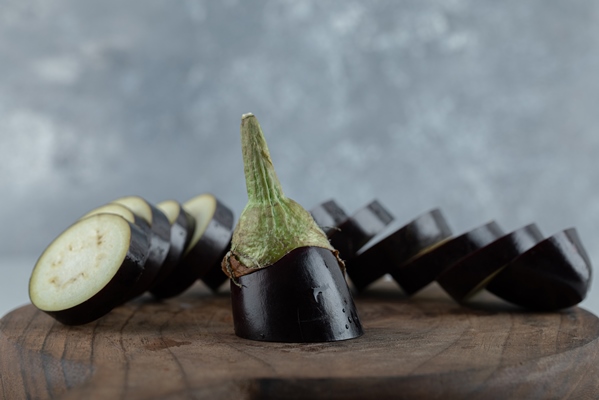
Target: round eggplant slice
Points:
x,y
423,269
328,216
182,228
209,243
301,298
160,237
358,229
472,273
118,209
395,246
554,274
89,269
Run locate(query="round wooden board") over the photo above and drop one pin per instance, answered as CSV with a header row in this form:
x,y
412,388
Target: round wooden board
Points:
x,y
426,347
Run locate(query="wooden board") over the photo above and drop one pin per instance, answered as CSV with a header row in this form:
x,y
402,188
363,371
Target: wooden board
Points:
x,y
427,347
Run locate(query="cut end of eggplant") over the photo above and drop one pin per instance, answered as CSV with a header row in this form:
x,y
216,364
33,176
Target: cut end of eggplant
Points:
x,y
209,243
88,269
302,298
80,262
113,208
138,206
170,208
201,208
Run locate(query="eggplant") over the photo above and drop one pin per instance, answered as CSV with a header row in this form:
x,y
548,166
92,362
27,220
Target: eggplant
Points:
x,y
89,269
309,302
354,232
287,282
472,273
182,228
396,245
209,243
554,274
423,269
160,239
119,209
328,216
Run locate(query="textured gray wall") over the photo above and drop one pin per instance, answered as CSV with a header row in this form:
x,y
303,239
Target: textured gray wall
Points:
x,y
486,109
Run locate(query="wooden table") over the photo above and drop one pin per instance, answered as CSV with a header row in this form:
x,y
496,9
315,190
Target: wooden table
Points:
x,y
426,347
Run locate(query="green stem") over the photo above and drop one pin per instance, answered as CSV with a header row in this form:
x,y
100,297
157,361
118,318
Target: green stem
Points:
x,y
261,179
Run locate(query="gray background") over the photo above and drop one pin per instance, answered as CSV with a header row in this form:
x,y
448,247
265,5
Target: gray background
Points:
x,y
486,109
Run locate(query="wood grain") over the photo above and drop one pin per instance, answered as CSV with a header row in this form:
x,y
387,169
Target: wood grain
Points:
x,y
426,347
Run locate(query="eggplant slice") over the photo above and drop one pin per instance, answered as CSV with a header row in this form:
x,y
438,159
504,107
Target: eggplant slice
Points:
x,y
358,229
423,269
556,273
472,273
209,243
89,269
328,216
182,228
301,298
160,241
396,245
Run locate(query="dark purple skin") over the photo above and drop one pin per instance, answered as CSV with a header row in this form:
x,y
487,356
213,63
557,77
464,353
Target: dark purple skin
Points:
x,y
205,256
160,242
349,235
302,298
181,234
468,274
424,269
328,216
554,274
215,277
113,294
389,250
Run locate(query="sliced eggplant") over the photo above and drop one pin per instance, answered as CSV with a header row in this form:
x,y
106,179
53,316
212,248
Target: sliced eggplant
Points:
x,y
209,243
182,228
396,245
328,216
287,283
358,229
423,269
554,274
89,269
160,239
119,209
472,273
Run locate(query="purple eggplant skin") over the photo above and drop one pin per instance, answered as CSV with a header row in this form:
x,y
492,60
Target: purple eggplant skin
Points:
x,y
473,272
328,216
424,269
115,292
182,230
302,298
203,257
358,229
554,274
215,277
389,250
160,242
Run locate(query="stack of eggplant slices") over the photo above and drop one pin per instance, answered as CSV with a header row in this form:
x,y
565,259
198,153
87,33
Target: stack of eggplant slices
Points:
x,y
288,267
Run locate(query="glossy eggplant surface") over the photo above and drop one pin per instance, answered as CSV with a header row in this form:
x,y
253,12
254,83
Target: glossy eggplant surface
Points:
x,y
303,297
554,274
390,250
421,270
473,272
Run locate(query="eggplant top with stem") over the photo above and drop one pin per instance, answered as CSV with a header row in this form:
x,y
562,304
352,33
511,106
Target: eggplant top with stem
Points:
x,y
271,224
